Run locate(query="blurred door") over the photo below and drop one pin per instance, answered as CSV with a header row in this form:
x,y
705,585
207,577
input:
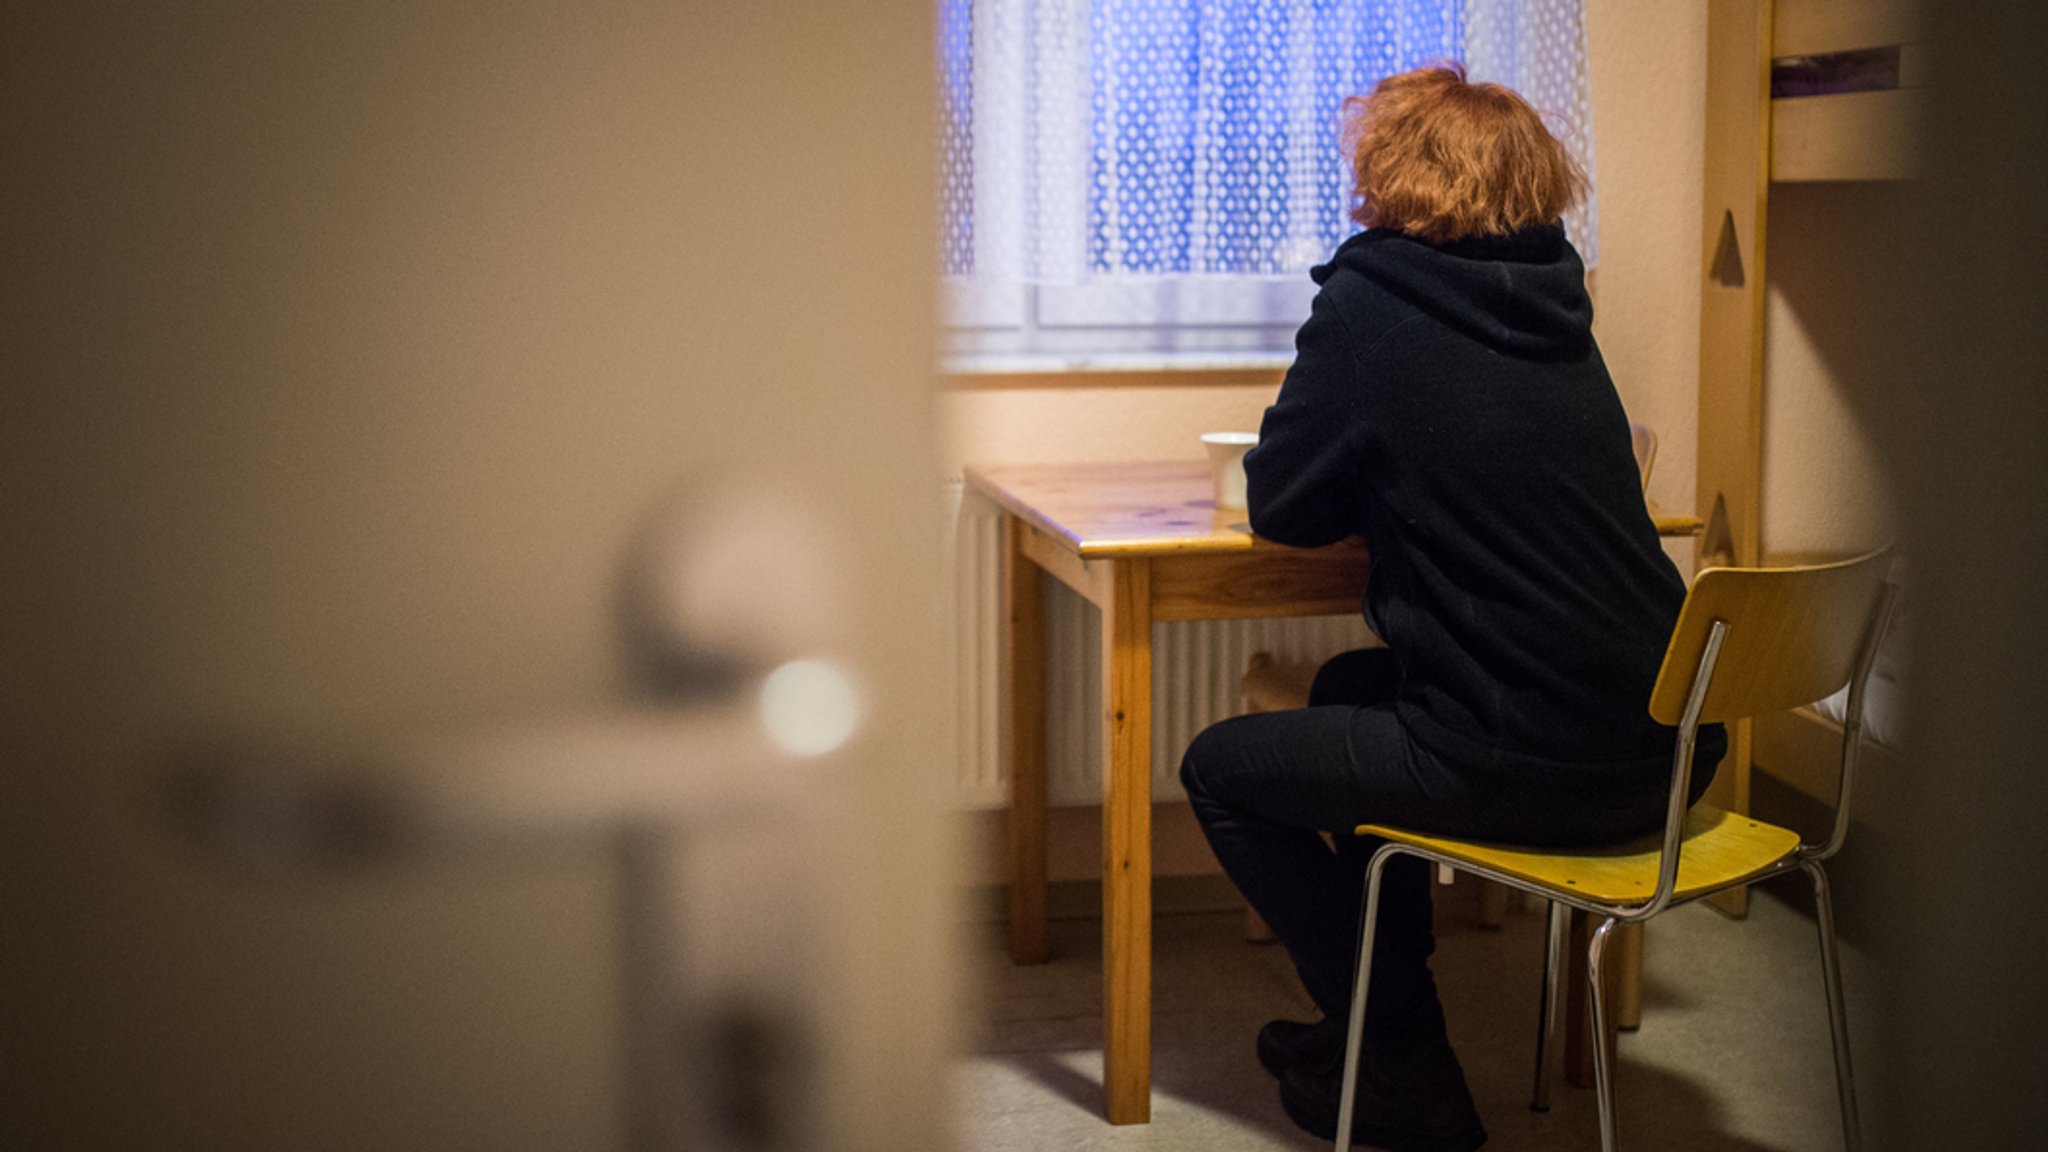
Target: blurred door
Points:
x,y
347,348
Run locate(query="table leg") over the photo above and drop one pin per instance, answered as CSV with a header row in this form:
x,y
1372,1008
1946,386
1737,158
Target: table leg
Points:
x,y
1578,1017
1127,843
1493,904
1024,738
1628,977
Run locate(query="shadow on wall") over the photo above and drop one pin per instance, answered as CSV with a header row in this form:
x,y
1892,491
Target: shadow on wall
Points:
x,y
1829,485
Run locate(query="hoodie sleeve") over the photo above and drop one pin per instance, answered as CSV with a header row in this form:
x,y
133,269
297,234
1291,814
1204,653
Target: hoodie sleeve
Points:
x,y
1302,479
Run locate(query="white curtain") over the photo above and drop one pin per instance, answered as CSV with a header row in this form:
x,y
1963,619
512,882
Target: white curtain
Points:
x,y
1140,140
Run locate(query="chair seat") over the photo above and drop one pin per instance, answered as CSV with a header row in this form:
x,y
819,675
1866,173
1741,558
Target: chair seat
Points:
x,y
1720,849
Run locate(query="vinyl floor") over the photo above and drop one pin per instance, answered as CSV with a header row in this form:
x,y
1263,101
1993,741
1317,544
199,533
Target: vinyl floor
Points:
x,y
1733,1053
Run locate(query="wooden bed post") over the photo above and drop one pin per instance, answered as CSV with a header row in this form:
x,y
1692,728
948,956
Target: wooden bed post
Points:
x,y
1737,188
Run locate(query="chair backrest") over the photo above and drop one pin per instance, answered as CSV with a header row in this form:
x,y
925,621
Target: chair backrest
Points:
x,y
1643,442
1794,636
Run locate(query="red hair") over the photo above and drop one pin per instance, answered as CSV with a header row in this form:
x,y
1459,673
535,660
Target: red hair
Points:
x,y
1440,159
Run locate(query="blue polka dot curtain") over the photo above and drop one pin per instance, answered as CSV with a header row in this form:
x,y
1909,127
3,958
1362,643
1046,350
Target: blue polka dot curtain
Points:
x,y
1129,148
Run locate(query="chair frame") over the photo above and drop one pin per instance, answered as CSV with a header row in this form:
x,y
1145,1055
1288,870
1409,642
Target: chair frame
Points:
x,y
1806,857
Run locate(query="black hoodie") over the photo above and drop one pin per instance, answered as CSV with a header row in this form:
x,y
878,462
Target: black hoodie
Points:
x,y
1448,403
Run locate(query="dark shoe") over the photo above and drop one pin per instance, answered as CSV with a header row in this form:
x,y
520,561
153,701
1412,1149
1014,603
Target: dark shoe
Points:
x,y
1286,1043
1411,1098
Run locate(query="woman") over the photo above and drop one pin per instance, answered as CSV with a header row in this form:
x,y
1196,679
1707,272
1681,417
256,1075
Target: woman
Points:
x,y
1448,403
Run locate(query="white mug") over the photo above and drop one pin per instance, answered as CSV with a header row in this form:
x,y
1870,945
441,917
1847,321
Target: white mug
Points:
x,y
1226,464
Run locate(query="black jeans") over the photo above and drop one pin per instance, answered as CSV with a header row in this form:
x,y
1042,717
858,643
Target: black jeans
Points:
x,y
1265,786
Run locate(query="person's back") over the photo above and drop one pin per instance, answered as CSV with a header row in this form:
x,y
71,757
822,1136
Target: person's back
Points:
x,y
1446,402
1457,414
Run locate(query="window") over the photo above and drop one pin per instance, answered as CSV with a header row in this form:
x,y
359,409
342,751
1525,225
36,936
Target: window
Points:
x,y
1152,179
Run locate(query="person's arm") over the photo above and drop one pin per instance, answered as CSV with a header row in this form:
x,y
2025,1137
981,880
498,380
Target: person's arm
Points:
x,y
1302,483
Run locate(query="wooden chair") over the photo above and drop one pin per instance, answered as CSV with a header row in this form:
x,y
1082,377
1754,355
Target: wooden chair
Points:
x,y
1748,641
1642,440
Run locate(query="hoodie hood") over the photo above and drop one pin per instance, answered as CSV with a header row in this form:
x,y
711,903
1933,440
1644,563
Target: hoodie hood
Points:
x,y
1523,294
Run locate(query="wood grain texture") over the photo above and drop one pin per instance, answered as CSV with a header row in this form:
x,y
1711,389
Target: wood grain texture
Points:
x,y
1737,186
1024,746
1793,636
1088,578
1132,508
1127,845
1308,582
1735,195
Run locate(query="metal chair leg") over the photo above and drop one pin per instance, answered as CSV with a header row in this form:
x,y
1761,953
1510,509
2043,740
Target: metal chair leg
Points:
x,y
1838,1018
1547,1008
1354,1028
1603,1061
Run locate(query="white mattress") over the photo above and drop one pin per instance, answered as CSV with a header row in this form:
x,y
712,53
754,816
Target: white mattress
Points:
x,y
1884,706
1884,698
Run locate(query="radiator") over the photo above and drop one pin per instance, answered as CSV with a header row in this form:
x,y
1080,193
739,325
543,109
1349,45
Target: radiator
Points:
x,y
1196,670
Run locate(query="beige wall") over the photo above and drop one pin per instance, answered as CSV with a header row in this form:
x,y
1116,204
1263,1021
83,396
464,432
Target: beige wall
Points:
x,y
1648,65
343,344
1061,425
1826,487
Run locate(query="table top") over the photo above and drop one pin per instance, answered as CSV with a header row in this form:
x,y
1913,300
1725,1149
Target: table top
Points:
x,y
1148,508
1144,508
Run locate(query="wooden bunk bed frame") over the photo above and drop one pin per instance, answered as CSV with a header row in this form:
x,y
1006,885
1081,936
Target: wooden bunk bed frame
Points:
x,y
1753,141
